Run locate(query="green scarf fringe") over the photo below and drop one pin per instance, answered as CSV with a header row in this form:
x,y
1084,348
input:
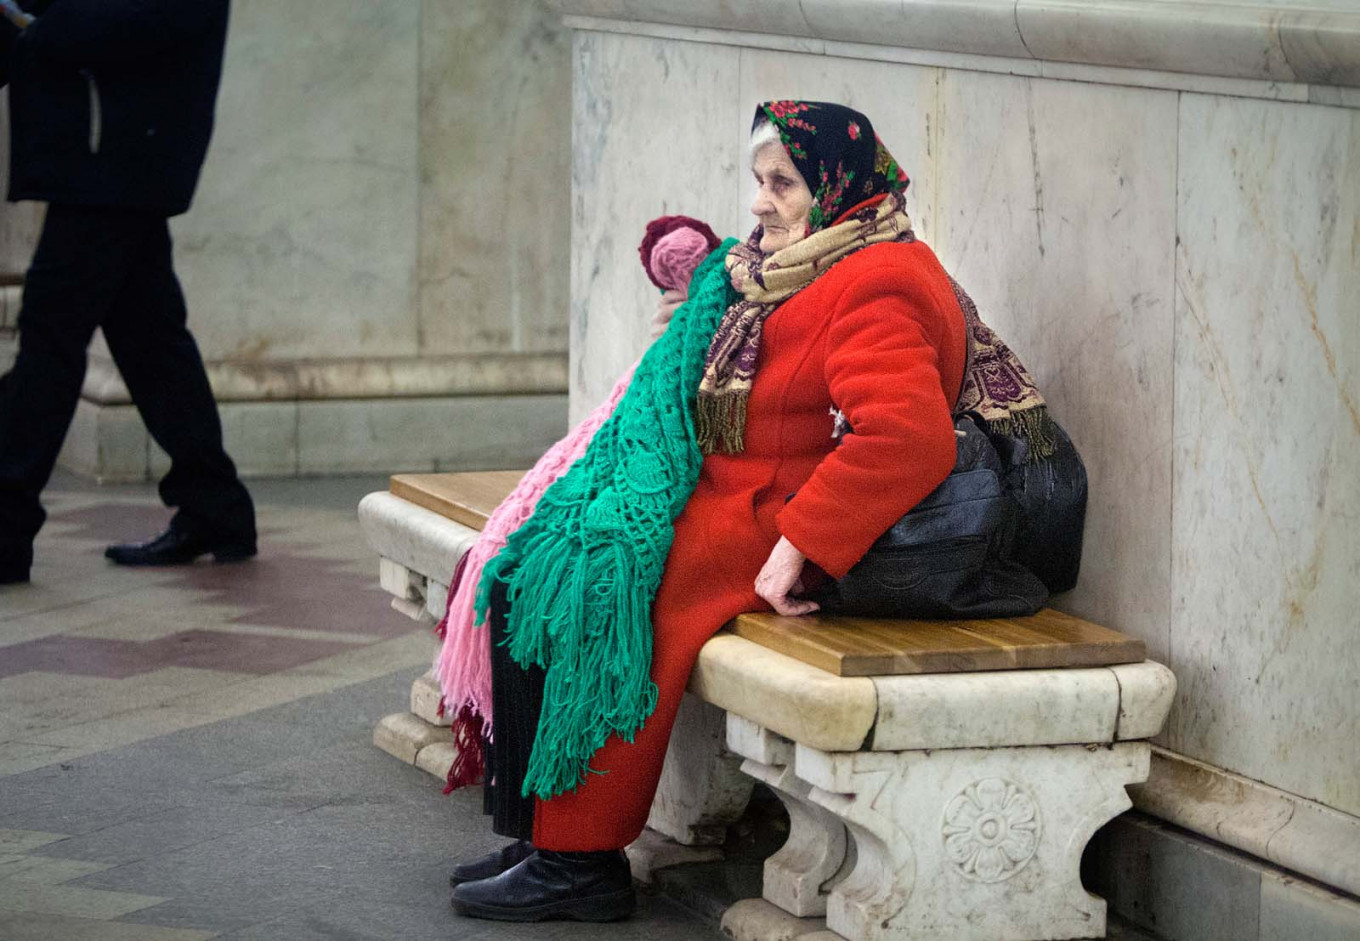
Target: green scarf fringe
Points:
x,y
1034,427
583,570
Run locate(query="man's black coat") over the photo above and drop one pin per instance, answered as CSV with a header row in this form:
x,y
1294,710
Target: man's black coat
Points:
x,y
111,101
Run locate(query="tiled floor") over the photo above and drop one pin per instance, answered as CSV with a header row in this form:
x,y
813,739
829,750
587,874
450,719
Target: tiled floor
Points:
x,y
186,753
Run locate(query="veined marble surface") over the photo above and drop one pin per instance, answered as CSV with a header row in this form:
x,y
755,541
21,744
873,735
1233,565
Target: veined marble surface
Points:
x,y
302,239
1266,562
1180,272
653,134
1056,212
495,166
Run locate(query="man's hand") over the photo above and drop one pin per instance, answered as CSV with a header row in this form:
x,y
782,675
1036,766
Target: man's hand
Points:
x,y
11,12
782,578
665,310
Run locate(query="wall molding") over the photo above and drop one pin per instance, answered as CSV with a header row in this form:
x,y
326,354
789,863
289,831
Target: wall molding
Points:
x,y
1336,96
1303,44
357,377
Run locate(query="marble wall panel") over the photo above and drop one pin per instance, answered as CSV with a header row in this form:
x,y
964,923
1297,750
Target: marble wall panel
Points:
x,y
453,433
495,159
1266,555
302,239
899,99
1056,212
654,132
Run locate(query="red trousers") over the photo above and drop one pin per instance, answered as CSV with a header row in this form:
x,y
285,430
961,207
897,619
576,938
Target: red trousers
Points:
x,y
609,810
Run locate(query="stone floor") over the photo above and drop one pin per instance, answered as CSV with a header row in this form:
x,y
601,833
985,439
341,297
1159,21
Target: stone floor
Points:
x,y
186,754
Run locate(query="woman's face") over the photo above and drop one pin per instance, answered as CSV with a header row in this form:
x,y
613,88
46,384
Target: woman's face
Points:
x,y
783,200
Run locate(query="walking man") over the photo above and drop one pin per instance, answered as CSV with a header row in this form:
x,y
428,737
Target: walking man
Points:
x,y
111,109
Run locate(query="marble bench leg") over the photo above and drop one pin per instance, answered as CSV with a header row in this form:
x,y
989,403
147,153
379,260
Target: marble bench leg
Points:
x,y
702,789
813,853
796,876
970,844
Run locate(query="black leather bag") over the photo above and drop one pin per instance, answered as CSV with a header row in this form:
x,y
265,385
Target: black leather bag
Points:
x,y
959,552
1050,498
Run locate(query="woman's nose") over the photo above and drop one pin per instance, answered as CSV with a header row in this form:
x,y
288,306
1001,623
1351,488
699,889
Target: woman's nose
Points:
x,y
762,206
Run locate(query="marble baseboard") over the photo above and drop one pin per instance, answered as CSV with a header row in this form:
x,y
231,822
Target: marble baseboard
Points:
x,y
273,439
1289,831
1188,888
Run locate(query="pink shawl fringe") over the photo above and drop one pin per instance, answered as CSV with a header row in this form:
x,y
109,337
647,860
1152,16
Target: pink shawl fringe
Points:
x,y
463,666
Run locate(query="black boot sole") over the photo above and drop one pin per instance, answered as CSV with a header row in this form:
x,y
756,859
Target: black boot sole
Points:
x,y
490,872
234,554
615,906
227,554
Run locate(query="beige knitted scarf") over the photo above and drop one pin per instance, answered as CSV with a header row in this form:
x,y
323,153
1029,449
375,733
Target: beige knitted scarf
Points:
x,y
764,282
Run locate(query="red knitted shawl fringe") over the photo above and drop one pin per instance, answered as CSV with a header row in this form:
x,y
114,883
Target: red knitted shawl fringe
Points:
x,y
469,766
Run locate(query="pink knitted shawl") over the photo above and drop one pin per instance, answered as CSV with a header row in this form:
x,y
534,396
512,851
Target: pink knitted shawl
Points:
x,y
463,666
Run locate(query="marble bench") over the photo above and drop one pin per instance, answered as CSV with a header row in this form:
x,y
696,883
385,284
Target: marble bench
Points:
x,y
952,805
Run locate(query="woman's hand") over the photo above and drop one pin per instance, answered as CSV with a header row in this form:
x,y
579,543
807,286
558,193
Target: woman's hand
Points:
x,y
665,310
782,577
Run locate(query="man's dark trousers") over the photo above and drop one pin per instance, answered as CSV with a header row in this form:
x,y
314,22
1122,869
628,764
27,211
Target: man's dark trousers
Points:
x,y
111,268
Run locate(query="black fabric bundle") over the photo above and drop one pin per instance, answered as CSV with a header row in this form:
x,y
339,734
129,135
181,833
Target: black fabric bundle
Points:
x,y
1001,532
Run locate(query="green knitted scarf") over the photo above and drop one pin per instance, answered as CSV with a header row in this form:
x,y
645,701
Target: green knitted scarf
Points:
x,y
582,572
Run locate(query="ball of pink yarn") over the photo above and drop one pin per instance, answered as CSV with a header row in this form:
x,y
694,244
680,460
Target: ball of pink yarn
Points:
x,y
675,256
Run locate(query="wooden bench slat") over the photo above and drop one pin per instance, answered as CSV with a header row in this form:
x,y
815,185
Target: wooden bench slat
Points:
x,y
848,646
467,498
845,646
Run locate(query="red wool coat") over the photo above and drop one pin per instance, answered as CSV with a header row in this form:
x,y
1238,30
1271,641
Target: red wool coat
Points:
x,y
879,336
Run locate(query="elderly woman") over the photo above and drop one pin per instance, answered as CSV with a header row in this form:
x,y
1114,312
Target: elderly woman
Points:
x,y
715,487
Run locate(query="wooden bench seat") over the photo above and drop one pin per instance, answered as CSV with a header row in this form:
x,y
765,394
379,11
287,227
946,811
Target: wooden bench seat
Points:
x,y
942,778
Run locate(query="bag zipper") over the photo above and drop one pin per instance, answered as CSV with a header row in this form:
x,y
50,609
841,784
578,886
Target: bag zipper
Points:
x,y
96,112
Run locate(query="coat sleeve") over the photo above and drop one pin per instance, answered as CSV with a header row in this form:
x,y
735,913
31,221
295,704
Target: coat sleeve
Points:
x,y
95,33
883,372
8,34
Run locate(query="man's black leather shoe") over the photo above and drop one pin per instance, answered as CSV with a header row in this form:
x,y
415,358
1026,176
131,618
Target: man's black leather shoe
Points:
x,y
180,547
492,864
548,885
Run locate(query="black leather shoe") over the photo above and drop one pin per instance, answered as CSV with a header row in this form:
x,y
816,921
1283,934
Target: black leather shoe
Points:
x,y
548,885
492,864
180,547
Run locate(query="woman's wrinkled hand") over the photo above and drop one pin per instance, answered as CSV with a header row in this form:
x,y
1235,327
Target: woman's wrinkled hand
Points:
x,y
665,310
782,577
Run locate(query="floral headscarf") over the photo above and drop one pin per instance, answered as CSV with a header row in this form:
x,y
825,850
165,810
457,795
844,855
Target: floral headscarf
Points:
x,y
837,153
845,165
